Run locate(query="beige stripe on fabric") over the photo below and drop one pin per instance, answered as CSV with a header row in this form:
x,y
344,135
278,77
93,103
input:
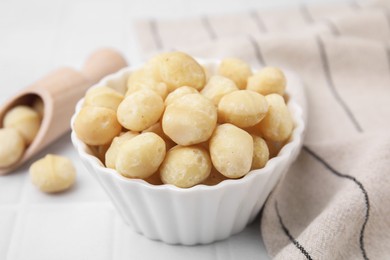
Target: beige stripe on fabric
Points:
x,y
324,11
366,93
369,23
233,24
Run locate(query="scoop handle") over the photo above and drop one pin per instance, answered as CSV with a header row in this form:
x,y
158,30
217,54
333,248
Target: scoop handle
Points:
x,y
60,90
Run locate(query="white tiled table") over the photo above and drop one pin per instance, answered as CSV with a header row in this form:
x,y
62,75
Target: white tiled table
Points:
x,y
38,36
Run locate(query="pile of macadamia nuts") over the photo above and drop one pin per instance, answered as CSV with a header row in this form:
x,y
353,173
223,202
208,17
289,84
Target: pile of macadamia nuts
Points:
x,y
20,126
179,125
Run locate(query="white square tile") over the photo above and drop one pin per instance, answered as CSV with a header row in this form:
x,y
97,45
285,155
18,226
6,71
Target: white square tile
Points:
x,y
63,232
11,186
7,221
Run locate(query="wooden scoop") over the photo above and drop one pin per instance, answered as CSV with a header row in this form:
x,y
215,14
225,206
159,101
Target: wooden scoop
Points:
x,y
60,90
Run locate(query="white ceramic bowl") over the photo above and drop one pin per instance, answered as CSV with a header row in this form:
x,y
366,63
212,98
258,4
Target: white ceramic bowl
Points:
x,y
201,214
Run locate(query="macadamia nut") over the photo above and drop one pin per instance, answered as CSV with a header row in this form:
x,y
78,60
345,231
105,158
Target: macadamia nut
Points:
x,y
140,110
38,106
243,108
53,173
178,69
100,151
260,152
157,129
103,97
178,93
154,179
214,178
231,150
267,81
143,79
274,147
24,119
217,87
12,146
236,70
141,156
189,120
277,125
96,125
117,142
185,167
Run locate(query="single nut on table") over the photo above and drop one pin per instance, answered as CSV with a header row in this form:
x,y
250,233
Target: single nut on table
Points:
x,y
140,110
177,69
235,69
96,125
277,125
231,150
12,146
117,142
267,81
189,120
243,108
217,87
141,156
142,79
53,173
260,152
25,120
103,97
178,93
185,166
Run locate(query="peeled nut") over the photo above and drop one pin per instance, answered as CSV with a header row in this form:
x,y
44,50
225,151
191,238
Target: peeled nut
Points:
x,y
189,120
103,97
214,178
217,87
53,173
38,106
141,156
154,179
178,93
277,125
274,147
113,151
96,125
185,167
178,69
260,152
24,119
231,150
236,70
140,110
143,79
243,108
12,146
267,81
100,151
157,129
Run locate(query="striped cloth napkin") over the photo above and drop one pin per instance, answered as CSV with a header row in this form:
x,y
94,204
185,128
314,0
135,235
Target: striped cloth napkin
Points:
x,y
334,203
